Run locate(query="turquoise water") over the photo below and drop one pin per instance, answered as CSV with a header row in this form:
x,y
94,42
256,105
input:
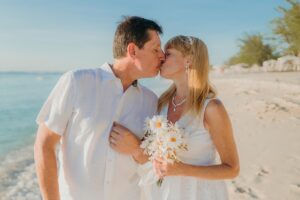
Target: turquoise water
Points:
x,y
21,97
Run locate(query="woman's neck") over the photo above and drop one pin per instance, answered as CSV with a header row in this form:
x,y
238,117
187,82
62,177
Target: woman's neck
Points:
x,y
181,89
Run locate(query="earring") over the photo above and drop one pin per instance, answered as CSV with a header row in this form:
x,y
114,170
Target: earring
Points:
x,y
186,69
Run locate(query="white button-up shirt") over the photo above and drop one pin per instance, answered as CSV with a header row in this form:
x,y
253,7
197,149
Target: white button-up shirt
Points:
x,y
82,108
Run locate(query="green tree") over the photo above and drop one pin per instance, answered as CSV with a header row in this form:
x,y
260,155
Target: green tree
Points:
x,y
287,27
252,50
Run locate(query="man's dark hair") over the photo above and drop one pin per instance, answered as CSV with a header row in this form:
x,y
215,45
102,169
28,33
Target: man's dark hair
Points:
x,y
132,29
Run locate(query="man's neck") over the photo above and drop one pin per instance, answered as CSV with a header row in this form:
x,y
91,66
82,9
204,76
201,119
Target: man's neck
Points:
x,y
121,69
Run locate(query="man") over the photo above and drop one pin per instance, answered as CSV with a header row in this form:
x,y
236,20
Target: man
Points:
x,y
85,106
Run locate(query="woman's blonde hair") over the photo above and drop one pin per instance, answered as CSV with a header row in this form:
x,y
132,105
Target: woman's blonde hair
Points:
x,y
199,87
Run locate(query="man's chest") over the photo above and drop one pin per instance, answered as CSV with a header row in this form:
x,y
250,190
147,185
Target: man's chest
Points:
x,y
98,113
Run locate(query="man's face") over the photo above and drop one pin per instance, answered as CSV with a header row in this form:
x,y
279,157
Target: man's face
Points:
x,y
150,57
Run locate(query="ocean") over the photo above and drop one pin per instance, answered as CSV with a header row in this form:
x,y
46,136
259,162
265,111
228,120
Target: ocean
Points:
x,y
22,95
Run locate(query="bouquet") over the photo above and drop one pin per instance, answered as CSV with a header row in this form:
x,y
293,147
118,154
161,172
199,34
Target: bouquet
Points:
x,y
162,139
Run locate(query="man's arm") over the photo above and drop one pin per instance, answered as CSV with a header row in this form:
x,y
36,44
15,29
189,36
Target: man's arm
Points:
x,y
45,162
124,141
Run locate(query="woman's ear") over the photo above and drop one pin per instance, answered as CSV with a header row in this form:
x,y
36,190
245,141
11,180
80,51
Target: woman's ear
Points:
x,y
188,60
131,50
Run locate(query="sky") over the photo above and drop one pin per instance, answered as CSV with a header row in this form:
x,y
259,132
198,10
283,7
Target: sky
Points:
x,y
39,35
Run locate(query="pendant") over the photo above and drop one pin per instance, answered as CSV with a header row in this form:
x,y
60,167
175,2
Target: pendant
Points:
x,y
174,109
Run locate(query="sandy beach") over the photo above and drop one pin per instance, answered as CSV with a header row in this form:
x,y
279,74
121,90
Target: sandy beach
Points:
x,y
265,112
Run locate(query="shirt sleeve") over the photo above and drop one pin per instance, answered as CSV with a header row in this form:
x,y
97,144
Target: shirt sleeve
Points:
x,y
58,108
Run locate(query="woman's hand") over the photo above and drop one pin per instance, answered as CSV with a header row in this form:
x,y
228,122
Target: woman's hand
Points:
x,y
162,168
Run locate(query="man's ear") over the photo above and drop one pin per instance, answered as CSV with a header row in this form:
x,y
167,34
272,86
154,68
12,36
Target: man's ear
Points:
x,y
131,50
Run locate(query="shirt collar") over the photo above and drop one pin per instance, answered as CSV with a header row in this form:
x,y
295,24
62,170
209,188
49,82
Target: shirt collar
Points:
x,y
109,75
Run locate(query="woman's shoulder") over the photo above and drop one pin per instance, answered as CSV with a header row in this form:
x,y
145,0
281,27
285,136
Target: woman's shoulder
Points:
x,y
213,103
214,109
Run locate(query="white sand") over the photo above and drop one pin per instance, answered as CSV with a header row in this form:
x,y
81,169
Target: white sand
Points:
x,y
265,112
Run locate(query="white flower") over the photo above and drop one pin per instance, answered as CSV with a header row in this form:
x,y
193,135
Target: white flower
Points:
x,y
173,139
158,124
162,139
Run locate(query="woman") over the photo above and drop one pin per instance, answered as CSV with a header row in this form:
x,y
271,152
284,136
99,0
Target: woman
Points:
x,y
191,102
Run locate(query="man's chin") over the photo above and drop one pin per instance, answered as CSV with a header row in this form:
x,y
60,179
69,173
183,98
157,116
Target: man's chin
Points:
x,y
151,75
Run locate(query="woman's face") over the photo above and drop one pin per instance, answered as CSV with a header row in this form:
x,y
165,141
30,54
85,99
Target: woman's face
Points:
x,y
174,65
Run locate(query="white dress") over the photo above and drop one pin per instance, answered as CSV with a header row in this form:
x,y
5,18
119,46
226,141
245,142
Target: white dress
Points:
x,y
202,152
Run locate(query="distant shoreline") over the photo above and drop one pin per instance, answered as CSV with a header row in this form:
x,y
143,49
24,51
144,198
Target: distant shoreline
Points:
x,y
31,72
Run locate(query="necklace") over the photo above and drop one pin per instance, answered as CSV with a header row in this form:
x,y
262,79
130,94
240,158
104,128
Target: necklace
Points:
x,y
178,104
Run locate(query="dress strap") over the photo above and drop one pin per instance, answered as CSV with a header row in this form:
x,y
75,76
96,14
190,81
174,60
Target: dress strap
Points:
x,y
207,100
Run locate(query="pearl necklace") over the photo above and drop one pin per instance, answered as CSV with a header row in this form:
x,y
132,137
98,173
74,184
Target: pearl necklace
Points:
x,y
178,104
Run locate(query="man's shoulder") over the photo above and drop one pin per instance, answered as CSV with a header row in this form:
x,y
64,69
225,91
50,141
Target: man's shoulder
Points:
x,y
83,78
85,73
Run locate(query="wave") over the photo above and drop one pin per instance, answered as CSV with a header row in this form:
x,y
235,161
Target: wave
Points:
x,y
17,175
